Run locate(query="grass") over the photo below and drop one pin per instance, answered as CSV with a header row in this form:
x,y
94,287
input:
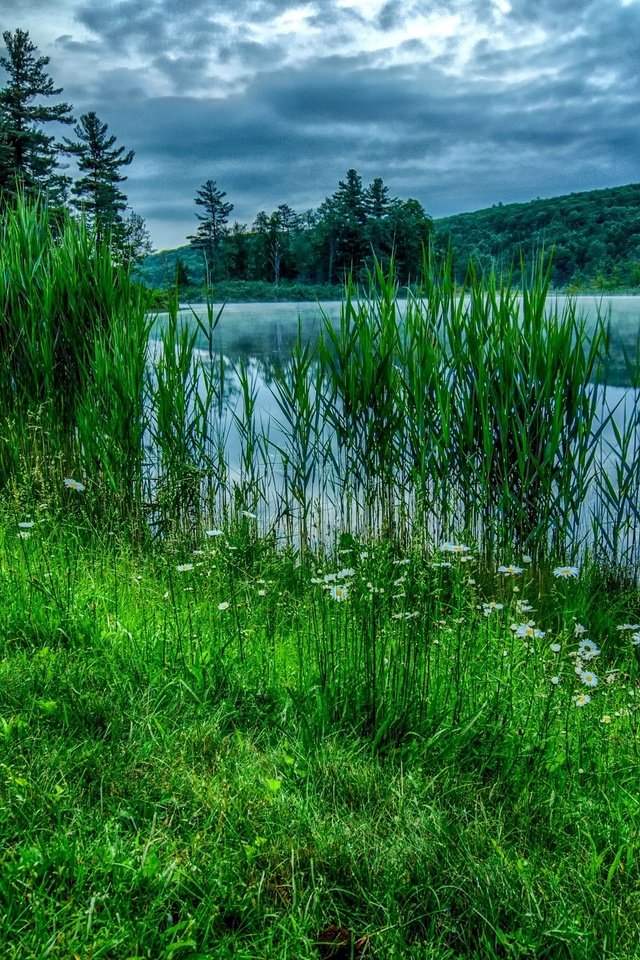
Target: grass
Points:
x,y
206,753
247,291
368,690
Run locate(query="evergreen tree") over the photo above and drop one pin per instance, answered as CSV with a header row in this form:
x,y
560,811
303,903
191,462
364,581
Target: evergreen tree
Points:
x,y
343,219
213,221
261,247
380,227
28,155
97,192
376,199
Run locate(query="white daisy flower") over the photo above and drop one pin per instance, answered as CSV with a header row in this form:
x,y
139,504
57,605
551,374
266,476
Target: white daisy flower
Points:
x,y
527,631
74,484
566,573
511,570
448,547
589,679
339,592
588,649
489,608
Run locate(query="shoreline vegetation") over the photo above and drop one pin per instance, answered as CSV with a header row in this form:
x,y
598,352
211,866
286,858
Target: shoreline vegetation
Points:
x,y
249,291
593,237
369,689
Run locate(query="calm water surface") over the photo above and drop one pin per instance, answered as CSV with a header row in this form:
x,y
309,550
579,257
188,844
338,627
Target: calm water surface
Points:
x,y
267,331
260,333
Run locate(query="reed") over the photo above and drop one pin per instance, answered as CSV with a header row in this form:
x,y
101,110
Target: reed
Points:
x,y
74,338
473,411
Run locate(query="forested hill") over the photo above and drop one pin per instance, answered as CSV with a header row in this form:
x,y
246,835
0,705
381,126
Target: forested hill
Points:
x,y
595,236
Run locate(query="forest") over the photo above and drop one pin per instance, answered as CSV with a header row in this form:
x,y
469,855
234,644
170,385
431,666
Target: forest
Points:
x,y
593,237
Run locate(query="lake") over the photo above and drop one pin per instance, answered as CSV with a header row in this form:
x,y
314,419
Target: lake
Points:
x,y
257,337
267,331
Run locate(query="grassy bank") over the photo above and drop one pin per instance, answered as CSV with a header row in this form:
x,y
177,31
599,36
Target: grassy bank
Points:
x,y
368,689
249,291
207,753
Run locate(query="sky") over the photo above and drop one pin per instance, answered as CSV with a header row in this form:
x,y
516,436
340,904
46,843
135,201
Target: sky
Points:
x,y
459,104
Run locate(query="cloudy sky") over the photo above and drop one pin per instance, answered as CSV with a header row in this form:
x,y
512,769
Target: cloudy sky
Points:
x,y
458,103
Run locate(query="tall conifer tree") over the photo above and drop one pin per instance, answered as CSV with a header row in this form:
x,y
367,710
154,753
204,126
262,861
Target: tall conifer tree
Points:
x,y
97,193
28,155
213,222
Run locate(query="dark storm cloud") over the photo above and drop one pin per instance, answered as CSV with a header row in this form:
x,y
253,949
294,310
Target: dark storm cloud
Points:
x,y
553,115
153,24
391,14
18,8
291,138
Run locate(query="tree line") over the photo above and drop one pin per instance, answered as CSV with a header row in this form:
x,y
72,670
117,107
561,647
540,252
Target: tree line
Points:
x,y
31,159
350,228
342,237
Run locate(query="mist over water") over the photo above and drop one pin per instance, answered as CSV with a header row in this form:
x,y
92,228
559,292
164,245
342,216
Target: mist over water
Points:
x,y
268,331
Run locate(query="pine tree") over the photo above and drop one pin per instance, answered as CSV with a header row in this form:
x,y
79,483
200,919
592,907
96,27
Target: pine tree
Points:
x,y
213,221
28,156
97,193
376,199
343,218
380,221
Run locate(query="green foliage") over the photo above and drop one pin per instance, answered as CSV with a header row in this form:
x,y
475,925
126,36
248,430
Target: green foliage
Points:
x,y
218,758
276,709
96,192
465,410
351,231
595,237
27,154
73,335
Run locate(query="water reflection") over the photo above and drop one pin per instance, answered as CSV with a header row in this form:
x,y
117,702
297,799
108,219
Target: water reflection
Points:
x,y
248,453
268,331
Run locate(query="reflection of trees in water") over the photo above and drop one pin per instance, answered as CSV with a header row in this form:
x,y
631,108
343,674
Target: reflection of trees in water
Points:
x,y
290,429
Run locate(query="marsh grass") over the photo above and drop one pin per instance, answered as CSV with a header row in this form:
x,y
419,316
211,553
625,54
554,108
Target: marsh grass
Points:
x,y
348,684
73,338
477,411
